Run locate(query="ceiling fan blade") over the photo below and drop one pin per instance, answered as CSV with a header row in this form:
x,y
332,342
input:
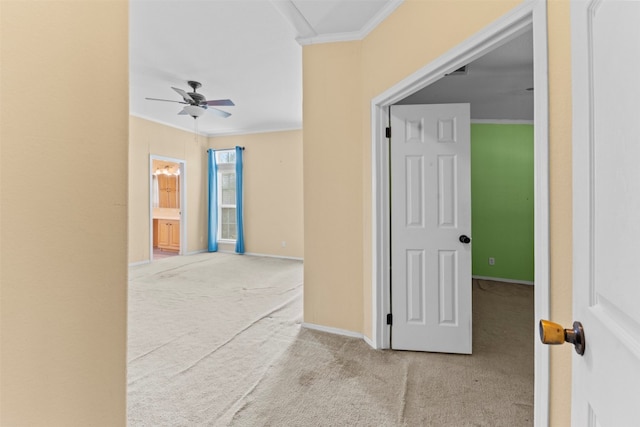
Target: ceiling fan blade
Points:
x,y
166,100
221,102
184,95
219,112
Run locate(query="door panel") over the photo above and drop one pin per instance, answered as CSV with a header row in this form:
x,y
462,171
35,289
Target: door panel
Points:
x,y
430,199
606,67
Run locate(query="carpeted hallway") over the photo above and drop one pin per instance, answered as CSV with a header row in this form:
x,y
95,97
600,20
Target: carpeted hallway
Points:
x,y
215,340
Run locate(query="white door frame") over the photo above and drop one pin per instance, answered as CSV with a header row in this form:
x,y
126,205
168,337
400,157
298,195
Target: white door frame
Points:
x,y
183,202
531,15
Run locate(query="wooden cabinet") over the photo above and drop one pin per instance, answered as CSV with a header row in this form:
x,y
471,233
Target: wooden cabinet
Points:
x,y
168,234
169,191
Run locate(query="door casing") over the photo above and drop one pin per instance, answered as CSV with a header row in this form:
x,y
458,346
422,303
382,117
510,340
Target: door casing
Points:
x,y
530,16
183,202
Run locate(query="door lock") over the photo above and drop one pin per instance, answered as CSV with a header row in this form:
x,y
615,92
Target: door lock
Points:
x,y
553,333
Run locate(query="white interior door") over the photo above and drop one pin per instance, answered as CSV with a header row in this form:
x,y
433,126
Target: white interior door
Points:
x,y
431,210
606,211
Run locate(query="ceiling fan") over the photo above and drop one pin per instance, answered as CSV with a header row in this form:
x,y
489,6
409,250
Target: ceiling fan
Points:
x,y
196,103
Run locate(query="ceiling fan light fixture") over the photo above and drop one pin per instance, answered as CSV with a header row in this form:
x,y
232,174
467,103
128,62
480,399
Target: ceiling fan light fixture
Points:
x,y
194,111
196,104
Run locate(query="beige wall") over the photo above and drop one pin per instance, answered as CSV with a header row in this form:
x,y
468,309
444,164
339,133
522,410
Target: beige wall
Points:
x,y
560,175
150,138
272,191
334,148
63,326
63,244
339,81
272,183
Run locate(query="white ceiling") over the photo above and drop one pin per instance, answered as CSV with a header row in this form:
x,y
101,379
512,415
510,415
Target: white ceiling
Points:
x,y
242,50
250,51
495,84
247,51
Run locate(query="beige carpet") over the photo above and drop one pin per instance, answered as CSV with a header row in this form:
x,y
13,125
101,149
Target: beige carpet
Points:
x,y
215,340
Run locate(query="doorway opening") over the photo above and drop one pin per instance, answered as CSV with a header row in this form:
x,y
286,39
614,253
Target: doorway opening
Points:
x,y
529,17
167,191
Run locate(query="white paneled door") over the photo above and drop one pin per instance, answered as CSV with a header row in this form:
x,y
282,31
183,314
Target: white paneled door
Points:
x,y
606,211
431,228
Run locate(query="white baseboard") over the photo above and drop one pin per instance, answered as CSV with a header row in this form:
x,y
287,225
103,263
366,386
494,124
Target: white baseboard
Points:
x,y
501,122
233,252
368,341
500,279
224,251
133,264
274,256
335,331
199,251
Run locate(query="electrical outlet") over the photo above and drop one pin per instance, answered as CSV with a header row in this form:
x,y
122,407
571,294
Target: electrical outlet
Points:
x,y
492,261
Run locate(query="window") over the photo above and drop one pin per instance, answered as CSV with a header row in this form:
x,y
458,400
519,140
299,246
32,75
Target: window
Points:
x,y
227,212
227,229
226,157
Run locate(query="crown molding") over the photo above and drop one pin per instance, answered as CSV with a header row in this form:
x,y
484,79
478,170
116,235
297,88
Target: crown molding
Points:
x,y
233,132
382,14
254,131
294,17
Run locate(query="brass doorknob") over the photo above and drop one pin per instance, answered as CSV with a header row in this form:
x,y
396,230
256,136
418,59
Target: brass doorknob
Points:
x,y
552,333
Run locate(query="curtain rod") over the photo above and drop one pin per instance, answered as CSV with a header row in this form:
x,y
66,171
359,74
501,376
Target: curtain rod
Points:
x,y
225,149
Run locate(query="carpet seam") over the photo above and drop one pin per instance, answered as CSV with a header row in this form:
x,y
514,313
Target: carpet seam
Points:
x,y
280,307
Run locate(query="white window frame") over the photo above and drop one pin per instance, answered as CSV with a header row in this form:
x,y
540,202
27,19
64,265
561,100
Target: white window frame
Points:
x,y
224,169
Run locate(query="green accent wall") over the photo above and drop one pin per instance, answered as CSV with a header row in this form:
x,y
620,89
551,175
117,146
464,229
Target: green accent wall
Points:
x,y
502,200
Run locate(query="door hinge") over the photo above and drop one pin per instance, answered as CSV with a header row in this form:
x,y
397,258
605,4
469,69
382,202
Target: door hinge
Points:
x,y
389,319
388,132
